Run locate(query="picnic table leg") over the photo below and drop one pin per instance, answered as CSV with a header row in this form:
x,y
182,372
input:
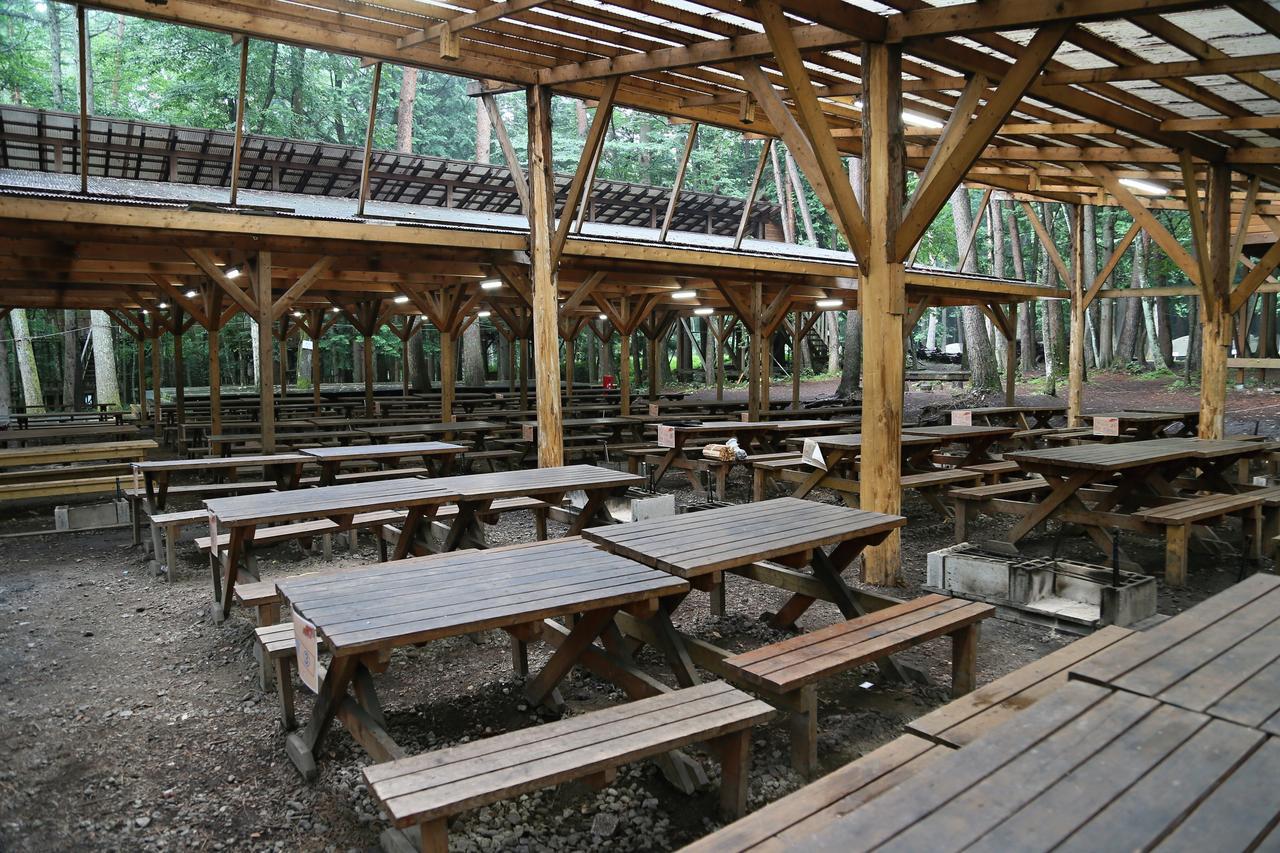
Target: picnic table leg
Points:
x,y
301,747
463,522
594,506
412,522
964,660
584,633
239,537
672,646
803,722
1175,554
735,770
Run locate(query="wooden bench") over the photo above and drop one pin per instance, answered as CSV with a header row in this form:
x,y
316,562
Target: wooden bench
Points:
x,y
278,650
994,472
164,535
785,823
425,790
390,534
787,672
66,472
964,720
50,487
509,458
932,484
303,530
1178,517
971,501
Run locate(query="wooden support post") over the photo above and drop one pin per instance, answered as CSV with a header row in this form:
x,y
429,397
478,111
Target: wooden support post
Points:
x,y
568,367
624,372
525,344
652,367
883,302
796,320
1011,356
1215,314
755,331
284,357
368,374
368,139
448,376
239,134
542,274
82,38
266,401
143,414
1075,348
157,340
215,379
179,370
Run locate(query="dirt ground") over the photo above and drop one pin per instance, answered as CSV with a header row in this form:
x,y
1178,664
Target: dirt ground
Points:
x,y
130,721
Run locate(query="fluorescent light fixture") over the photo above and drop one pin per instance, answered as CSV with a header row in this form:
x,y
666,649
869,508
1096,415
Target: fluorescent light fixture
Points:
x,y
297,313
162,304
491,284
603,317
401,299
192,294
145,311
918,120
1144,187
232,272
704,312
482,313
684,294
829,303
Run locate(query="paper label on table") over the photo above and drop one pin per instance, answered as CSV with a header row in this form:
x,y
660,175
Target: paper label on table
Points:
x,y
962,417
1106,426
213,528
666,436
529,431
655,409
304,637
812,454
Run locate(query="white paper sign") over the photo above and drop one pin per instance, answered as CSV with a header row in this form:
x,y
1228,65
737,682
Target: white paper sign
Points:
x,y
666,436
812,454
1106,426
655,409
962,417
304,637
529,431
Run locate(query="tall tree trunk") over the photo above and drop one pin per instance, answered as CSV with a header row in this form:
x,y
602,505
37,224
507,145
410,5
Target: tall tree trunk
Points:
x,y
802,203
1106,307
32,393
931,331
1125,350
106,385
780,187
851,357
982,357
831,324
54,11
404,110
70,361
6,387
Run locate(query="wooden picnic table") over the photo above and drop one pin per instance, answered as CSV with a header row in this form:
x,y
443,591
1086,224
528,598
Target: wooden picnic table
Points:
x,y
752,436
284,468
19,457
1089,768
702,546
1221,657
1141,425
94,432
240,516
1188,416
437,456
1142,473
977,440
840,451
221,445
614,426
475,431
1024,416
96,416
364,614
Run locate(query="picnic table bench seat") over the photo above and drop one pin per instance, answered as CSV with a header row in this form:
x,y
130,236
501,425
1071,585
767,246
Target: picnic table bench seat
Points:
x,y
468,459
425,790
930,484
994,472
73,471
278,650
785,822
1256,507
964,720
389,533
968,500
788,671
43,487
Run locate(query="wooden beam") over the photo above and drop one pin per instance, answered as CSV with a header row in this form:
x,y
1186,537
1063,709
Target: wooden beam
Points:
x,y
508,150
590,150
1166,70
1246,216
1101,278
1046,241
301,286
750,200
460,23
180,298
1195,216
238,140
980,16
935,188
971,238
266,397
1215,314
1254,278
368,138
205,262
1144,218
1075,344
690,141
813,122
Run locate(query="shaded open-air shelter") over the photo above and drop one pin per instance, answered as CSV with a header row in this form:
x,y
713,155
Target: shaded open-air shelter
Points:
x,y
1145,104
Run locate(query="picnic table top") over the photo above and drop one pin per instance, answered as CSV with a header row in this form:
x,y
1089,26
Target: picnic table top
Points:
x,y
1180,411
73,452
212,462
586,422
70,430
1014,409
324,501
1221,657
286,435
1138,416
1091,769
721,427
528,482
844,441
958,431
381,451
433,428
1132,454
442,595
728,537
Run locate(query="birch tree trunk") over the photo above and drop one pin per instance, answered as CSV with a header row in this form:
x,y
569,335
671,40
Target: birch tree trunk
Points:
x,y
851,358
419,376
70,362
106,385
6,389
253,337
931,332
32,393
832,325
982,357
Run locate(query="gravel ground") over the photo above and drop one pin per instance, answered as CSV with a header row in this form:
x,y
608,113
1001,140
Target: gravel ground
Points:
x,y
132,722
